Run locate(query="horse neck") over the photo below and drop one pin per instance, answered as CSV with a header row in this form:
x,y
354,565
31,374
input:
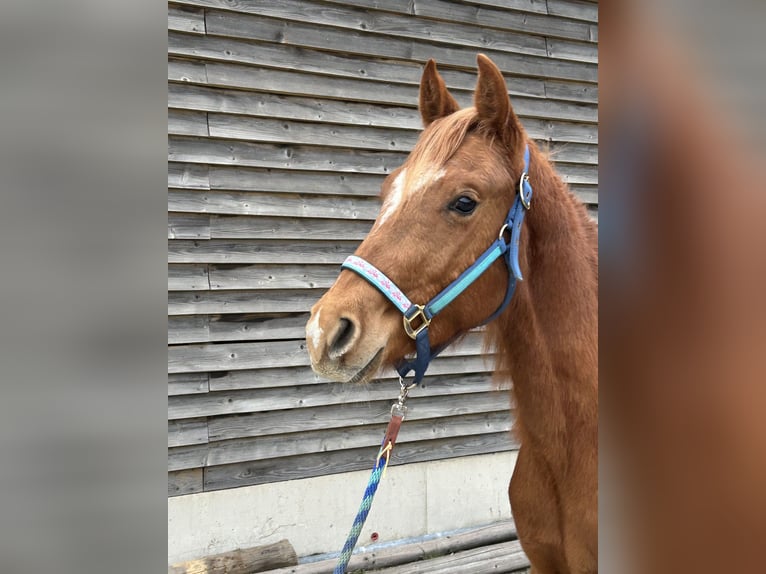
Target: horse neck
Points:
x,y
547,338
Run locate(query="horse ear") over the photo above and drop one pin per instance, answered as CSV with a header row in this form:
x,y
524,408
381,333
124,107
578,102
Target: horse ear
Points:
x,y
493,105
435,101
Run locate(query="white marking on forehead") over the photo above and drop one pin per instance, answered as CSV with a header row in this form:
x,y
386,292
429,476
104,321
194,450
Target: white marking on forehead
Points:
x,y
427,178
394,199
399,190
314,331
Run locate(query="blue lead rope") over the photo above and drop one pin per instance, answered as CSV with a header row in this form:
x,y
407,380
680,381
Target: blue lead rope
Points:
x,y
398,411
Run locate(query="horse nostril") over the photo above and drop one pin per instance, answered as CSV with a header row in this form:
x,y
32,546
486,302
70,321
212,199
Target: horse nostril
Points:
x,y
343,338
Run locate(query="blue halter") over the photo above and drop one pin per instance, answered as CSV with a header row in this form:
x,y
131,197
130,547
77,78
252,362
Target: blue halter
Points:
x,y
417,318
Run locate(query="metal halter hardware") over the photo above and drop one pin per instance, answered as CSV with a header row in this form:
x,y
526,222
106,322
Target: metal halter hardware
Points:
x,y
417,318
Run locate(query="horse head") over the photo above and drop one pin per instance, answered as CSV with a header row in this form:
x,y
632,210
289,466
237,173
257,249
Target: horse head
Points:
x,y
440,210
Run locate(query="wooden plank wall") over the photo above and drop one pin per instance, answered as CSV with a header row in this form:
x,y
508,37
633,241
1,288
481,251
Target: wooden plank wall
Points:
x,y
283,119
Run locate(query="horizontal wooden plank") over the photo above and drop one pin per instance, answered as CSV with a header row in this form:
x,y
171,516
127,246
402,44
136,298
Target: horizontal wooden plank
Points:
x,y
213,151
310,133
271,301
186,19
329,440
187,123
227,356
188,226
182,70
406,6
273,276
188,278
246,227
317,464
259,251
372,23
578,51
588,194
271,105
500,557
187,432
244,327
273,204
185,482
575,9
539,24
187,384
188,175
188,329
442,366
573,91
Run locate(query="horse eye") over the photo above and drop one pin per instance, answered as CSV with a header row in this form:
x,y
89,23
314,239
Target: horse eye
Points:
x,y
463,205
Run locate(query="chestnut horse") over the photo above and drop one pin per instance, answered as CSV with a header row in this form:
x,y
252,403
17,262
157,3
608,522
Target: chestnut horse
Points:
x,y
440,211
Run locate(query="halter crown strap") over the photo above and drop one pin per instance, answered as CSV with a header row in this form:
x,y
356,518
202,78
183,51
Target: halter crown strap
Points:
x,y
417,318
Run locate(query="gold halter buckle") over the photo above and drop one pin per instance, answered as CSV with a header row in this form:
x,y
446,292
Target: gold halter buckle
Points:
x,y
420,314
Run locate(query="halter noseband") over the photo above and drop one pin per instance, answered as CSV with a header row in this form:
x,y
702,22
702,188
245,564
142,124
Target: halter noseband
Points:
x,y
417,318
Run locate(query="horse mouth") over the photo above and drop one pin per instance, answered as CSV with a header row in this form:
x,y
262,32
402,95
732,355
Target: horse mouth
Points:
x,y
364,374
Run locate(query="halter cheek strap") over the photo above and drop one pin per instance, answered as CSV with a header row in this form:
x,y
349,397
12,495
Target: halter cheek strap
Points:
x,y
417,318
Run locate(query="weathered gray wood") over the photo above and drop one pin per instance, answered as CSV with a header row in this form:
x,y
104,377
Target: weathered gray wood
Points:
x,y
502,557
575,91
353,414
235,227
204,150
196,358
575,9
537,6
542,24
241,561
577,51
186,432
188,277
370,23
328,440
185,482
335,135
317,464
258,327
188,226
187,123
188,175
271,105
186,71
363,43
186,19
187,383
285,181
273,276
413,552
259,251
588,194
272,204
188,329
